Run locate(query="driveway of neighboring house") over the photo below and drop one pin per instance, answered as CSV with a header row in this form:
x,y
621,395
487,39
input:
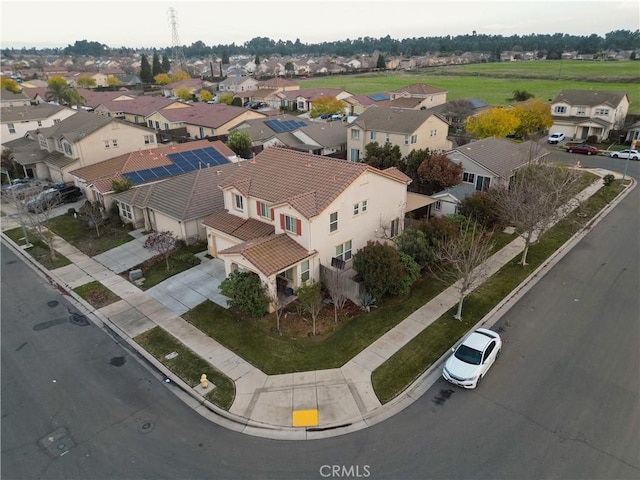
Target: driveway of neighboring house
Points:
x,y
181,292
127,256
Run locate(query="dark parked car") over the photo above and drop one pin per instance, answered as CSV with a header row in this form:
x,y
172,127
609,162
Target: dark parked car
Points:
x,y
582,148
52,197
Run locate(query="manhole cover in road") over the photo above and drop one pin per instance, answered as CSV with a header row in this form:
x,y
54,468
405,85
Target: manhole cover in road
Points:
x,y
78,319
117,361
58,442
145,427
52,303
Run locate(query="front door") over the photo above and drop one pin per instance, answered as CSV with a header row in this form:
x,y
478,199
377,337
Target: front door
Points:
x,y
585,133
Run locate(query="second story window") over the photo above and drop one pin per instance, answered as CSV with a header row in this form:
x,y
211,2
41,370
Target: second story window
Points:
x,y
263,210
359,207
406,139
387,138
238,202
373,136
468,177
560,109
414,139
582,111
67,149
602,111
12,128
355,134
333,222
290,224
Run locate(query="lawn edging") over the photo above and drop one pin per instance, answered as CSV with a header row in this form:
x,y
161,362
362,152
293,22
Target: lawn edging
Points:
x,y
424,381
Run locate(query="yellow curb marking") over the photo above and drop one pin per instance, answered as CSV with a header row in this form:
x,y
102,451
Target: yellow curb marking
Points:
x,y
305,418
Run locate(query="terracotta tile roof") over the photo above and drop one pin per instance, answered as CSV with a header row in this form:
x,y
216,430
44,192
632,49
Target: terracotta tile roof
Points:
x,y
271,254
310,182
204,114
102,173
243,229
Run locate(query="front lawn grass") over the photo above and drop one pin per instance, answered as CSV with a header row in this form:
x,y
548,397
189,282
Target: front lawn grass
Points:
x,y
187,365
96,294
112,234
39,251
258,342
406,365
155,270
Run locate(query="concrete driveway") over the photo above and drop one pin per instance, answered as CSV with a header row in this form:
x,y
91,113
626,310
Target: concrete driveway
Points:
x,y
181,292
126,256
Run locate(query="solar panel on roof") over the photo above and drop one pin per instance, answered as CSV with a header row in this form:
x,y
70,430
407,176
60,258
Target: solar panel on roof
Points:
x,y
280,126
377,97
133,177
160,172
146,175
173,169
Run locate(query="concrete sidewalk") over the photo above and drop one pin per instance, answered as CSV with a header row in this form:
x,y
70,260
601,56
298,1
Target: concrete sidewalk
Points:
x,y
264,405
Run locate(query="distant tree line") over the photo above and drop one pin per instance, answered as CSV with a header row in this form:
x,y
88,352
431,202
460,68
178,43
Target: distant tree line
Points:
x,y
550,45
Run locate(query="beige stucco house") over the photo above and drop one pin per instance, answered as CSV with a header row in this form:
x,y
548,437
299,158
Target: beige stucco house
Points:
x,y
408,129
580,114
287,215
16,121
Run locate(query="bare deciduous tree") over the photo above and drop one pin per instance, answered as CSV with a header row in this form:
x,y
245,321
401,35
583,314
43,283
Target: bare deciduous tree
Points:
x,y
277,302
93,214
162,242
310,297
538,196
335,281
38,211
461,258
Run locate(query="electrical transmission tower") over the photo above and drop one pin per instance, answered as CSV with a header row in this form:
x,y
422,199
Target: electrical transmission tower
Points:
x,y
178,54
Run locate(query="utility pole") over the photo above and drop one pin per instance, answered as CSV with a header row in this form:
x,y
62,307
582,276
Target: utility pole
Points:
x,y
178,54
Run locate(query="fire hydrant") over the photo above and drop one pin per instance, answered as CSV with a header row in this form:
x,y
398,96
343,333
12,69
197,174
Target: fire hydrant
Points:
x,y
203,381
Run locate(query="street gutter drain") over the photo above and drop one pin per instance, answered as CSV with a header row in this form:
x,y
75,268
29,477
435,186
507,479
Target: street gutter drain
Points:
x,y
58,442
146,427
78,319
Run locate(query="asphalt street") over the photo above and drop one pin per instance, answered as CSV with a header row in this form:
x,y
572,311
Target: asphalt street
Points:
x,y
561,402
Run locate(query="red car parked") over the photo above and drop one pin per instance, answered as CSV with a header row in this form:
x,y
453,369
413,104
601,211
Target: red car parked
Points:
x,y
582,148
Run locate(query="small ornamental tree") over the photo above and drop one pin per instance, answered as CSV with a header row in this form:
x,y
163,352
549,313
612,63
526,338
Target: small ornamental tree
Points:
x,y
335,283
112,81
93,215
437,172
534,117
162,242
85,81
162,79
240,143
245,292
480,208
120,186
310,297
382,270
183,93
326,106
495,122
413,242
225,98
10,85
205,95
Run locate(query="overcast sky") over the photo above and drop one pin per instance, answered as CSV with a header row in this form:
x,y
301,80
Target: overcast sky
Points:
x,y
146,23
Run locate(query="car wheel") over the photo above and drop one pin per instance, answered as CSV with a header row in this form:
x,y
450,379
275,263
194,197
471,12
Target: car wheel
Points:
x,y
570,151
589,153
614,156
497,354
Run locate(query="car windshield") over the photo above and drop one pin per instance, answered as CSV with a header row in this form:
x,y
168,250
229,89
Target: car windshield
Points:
x,y
468,355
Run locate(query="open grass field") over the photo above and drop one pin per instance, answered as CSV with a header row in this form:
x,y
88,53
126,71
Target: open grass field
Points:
x,y
494,83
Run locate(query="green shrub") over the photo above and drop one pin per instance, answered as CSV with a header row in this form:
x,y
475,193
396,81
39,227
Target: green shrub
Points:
x,y
608,179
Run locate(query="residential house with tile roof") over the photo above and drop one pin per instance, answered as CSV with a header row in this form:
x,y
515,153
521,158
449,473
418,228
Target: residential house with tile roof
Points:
x,y
193,86
79,140
580,114
201,120
303,99
284,130
494,161
417,96
97,180
238,85
408,129
135,109
15,122
288,214
178,204
11,99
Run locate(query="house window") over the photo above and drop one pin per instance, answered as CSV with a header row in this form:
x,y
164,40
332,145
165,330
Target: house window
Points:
x,y
166,126
201,130
333,222
433,133
354,155
360,207
263,210
304,271
414,139
373,136
468,177
343,251
395,227
406,139
107,144
67,149
291,224
482,183
387,138
288,274
560,109
238,202
114,143
300,105
150,123
125,211
39,123
438,206
602,111
12,128
355,134
582,111
56,120
148,139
